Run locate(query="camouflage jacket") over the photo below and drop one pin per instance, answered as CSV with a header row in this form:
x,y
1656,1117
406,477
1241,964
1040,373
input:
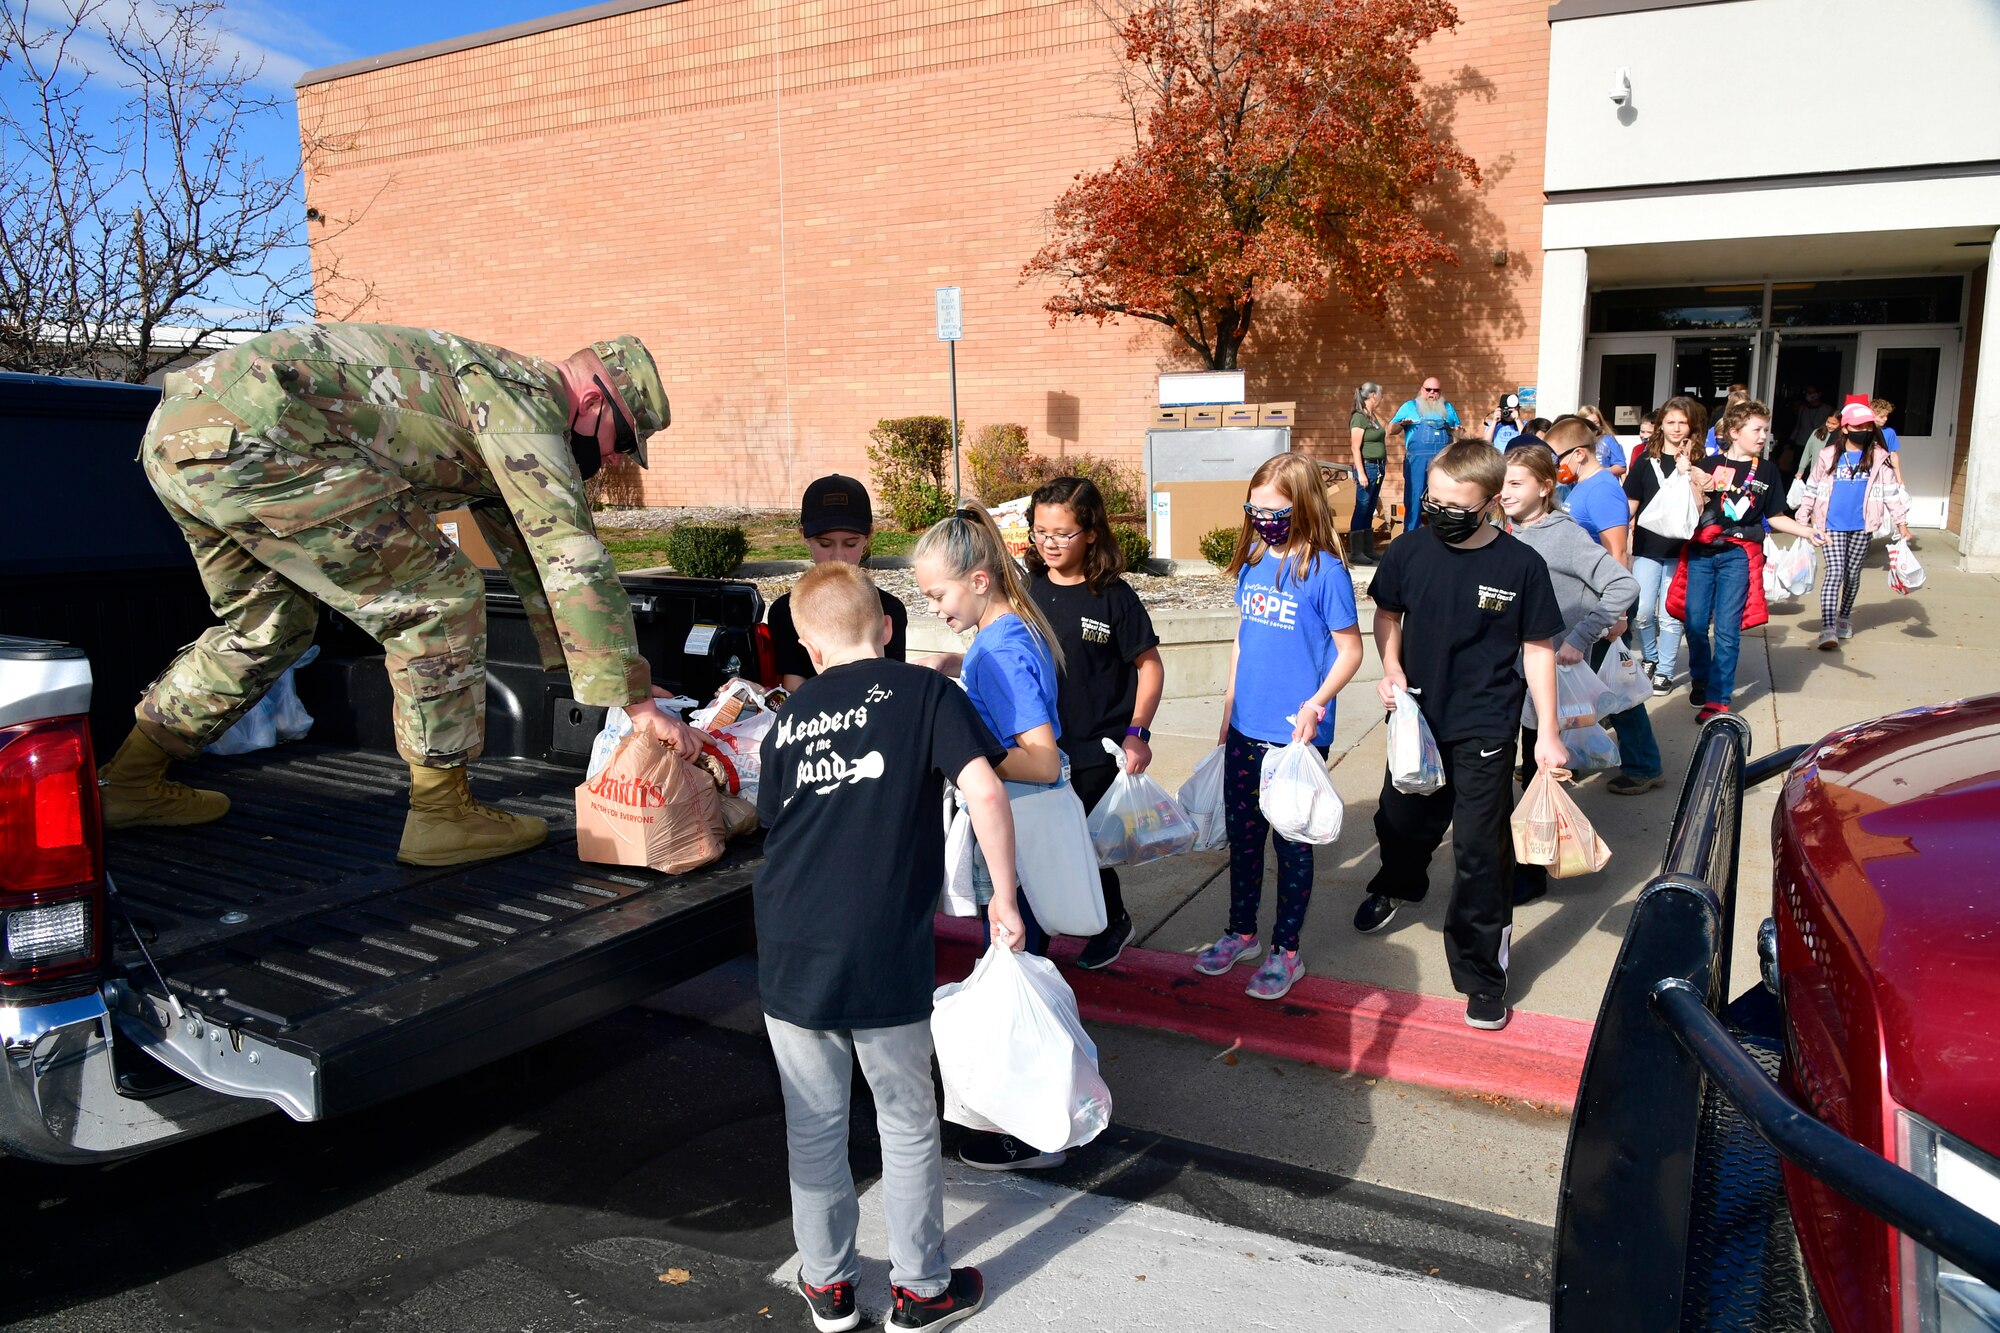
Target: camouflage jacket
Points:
x,y
455,422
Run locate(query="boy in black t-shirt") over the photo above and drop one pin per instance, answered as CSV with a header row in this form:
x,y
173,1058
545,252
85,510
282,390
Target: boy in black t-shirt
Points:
x,y
854,774
836,520
1457,604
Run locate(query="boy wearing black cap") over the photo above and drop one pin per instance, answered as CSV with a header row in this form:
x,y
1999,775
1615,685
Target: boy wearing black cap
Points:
x,y
836,521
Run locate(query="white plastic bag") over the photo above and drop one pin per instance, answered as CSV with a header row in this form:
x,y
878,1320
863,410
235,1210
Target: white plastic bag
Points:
x,y
1623,676
1415,766
1014,1055
1905,572
958,897
1675,510
1201,797
1591,750
1137,821
1789,570
1056,863
278,716
1296,794
743,742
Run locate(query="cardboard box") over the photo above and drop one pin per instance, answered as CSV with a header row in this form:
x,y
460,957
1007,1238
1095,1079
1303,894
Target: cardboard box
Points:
x,y
1277,414
1184,510
1204,418
458,525
1169,418
1243,414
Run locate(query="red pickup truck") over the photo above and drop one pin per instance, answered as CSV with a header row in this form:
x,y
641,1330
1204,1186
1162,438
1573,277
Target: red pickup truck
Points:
x,y
1824,1151
165,982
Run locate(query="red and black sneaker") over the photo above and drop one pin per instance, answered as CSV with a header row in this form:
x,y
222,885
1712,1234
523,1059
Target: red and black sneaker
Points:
x,y
960,1300
1711,710
832,1306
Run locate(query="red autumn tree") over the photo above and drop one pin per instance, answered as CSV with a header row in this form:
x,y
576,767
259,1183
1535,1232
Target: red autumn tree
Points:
x,y
1276,143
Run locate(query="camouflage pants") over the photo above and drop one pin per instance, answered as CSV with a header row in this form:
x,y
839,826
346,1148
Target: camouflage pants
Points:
x,y
275,531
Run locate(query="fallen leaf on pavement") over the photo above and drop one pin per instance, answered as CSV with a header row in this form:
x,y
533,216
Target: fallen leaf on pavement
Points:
x,y
674,1277
1228,1057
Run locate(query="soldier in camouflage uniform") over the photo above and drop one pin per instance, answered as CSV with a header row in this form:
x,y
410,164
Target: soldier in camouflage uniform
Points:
x,y
303,467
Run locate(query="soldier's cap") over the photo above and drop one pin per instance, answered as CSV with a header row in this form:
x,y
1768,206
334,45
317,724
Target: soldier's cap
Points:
x,y
636,379
835,504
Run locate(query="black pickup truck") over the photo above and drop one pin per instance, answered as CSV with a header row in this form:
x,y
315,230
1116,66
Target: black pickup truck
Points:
x,y
160,983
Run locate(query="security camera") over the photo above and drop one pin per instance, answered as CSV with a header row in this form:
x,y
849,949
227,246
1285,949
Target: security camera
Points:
x,y
1621,86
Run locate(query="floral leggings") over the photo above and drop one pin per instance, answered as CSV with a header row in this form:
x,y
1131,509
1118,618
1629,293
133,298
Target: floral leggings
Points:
x,y
1242,781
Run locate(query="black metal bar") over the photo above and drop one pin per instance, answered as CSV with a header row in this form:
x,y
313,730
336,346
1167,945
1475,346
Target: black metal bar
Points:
x,y
1775,764
1914,1207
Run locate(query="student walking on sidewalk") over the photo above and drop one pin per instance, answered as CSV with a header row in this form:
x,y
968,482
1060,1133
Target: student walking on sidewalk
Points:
x,y
1112,676
1298,642
1854,486
1654,557
1461,611
1720,579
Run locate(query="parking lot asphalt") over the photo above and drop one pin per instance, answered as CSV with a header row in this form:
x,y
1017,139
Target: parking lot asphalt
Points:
x,y
631,1176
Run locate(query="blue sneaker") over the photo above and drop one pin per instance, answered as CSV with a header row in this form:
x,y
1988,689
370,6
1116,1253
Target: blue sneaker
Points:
x,y
1283,968
1226,953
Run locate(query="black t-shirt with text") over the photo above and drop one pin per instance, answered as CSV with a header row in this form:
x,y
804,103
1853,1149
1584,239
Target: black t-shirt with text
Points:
x,y
852,793
794,660
1642,483
1101,636
1752,492
1466,614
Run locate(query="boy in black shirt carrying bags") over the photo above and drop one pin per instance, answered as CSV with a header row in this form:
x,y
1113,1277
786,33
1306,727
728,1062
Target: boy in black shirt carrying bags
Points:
x,y
1458,605
854,774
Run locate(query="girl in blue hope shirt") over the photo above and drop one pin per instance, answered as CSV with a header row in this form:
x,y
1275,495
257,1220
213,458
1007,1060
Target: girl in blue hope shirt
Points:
x,y
1298,642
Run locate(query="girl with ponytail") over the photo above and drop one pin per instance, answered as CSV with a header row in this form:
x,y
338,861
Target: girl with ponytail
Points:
x,y
1010,671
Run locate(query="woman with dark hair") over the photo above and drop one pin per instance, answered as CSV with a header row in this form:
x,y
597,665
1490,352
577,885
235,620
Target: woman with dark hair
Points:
x,y
1853,487
1112,677
1367,435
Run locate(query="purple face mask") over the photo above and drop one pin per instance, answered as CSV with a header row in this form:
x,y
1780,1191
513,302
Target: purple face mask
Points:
x,y
1273,526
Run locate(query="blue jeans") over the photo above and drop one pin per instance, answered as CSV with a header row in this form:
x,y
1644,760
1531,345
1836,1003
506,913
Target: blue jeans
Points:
x,y
1659,633
1638,749
1367,491
1416,474
1718,585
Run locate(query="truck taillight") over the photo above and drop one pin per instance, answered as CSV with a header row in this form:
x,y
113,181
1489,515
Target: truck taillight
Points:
x,y
51,852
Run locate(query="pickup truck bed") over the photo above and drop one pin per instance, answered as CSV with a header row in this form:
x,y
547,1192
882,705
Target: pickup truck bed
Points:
x,y
385,977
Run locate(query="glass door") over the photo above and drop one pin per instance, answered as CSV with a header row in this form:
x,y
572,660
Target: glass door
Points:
x,y
1917,370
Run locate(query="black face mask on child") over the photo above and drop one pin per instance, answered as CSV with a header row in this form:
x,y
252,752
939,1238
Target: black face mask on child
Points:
x,y
1451,523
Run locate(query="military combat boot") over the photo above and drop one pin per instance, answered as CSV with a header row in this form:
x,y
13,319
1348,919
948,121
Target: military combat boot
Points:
x,y
135,793
446,826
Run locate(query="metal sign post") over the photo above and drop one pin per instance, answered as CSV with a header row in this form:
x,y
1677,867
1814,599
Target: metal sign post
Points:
x,y
951,328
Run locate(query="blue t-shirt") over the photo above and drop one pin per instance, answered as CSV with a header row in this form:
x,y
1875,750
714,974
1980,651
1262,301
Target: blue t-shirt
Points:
x,y
1285,643
1428,430
1011,679
1504,434
1609,454
1599,503
1846,508
1889,439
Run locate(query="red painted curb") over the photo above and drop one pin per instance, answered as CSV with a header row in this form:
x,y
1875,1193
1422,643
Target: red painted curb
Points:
x,y
1342,1025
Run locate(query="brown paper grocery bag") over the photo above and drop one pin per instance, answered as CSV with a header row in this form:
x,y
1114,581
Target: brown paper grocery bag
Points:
x,y
649,807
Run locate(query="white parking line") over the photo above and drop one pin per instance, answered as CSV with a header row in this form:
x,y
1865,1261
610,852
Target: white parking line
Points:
x,y
1056,1258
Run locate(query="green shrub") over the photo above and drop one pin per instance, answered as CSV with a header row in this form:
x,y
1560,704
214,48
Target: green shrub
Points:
x,y
1121,486
1218,546
706,552
999,464
911,461
1137,547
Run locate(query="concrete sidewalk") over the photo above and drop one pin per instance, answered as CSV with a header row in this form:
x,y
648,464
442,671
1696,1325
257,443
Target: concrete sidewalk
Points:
x,y
1907,651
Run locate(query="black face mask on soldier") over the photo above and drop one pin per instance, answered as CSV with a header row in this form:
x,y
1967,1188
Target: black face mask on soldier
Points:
x,y
589,458
1451,523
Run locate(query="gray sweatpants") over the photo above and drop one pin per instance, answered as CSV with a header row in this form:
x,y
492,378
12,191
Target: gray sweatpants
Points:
x,y
816,1070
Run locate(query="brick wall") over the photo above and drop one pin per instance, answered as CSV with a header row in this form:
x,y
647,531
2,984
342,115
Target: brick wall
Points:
x,y
768,193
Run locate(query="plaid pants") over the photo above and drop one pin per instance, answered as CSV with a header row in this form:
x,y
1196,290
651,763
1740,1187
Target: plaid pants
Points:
x,y
1840,580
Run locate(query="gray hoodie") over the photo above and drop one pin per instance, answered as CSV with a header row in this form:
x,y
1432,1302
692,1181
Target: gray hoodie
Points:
x,y
1593,589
